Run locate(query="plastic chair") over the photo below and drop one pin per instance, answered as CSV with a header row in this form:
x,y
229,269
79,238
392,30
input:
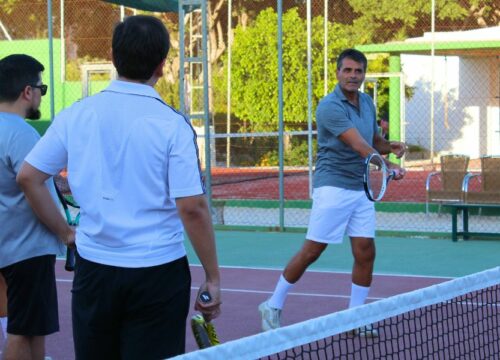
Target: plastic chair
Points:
x,y
451,177
489,179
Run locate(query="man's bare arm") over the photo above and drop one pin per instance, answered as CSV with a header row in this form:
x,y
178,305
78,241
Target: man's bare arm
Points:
x,y
195,216
385,147
32,182
353,139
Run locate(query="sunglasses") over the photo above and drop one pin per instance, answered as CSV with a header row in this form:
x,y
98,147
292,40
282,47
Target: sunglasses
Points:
x,y
43,88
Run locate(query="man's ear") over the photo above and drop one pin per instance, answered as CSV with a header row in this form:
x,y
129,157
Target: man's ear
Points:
x,y
27,93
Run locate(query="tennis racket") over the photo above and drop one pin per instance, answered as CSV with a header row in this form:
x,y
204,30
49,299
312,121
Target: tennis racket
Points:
x,y
70,253
204,331
376,177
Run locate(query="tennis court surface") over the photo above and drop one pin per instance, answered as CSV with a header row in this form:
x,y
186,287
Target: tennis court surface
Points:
x,y
252,262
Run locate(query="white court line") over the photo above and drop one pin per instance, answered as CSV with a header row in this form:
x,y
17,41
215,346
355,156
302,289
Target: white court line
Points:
x,y
251,291
248,291
291,293
333,271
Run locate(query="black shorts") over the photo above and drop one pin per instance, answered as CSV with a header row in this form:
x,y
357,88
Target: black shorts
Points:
x,y
32,296
130,313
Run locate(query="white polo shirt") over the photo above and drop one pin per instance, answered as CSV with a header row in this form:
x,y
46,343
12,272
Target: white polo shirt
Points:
x,y
128,155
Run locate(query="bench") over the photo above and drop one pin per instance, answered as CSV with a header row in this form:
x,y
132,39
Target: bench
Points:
x,y
455,207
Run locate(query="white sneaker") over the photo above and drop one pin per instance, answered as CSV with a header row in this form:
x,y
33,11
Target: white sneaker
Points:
x,y
270,316
365,331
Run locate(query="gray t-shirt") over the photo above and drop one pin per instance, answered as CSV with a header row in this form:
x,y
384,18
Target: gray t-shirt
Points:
x,y
22,235
337,164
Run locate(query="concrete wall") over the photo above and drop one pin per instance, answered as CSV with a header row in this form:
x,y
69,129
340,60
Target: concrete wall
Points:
x,y
466,104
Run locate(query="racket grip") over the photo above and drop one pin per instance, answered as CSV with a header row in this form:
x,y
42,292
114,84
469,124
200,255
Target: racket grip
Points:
x,y
205,297
70,259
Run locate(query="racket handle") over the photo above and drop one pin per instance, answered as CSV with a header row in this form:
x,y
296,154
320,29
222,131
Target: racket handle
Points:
x,y
392,174
208,328
70,259
205,297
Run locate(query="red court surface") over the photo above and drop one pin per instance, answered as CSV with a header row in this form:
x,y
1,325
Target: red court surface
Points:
x,y
260,183
252,184
316,294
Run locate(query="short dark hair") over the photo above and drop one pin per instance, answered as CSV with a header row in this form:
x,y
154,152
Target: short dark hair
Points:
x,y
16,72
140,44
352,54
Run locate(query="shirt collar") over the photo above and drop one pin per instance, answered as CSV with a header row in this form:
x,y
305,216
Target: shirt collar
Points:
x,y
132,88
339,93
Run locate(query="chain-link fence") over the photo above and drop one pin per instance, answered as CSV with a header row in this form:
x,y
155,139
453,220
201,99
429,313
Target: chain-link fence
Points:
x,y
434,75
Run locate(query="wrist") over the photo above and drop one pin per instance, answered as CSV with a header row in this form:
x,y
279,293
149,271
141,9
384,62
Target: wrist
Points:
x,y
65,234
214,280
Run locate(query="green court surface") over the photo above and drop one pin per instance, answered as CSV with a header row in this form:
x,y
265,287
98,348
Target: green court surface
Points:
x,y
395,255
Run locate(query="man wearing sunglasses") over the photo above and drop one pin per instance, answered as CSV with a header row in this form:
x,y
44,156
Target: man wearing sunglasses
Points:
x,y
27,248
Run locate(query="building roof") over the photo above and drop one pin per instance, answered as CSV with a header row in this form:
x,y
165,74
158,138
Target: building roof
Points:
x,y
478,42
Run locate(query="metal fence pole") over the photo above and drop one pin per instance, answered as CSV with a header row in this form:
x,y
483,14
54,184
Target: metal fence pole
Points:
x,y
309,94
51,58
229,50
280,117
432,79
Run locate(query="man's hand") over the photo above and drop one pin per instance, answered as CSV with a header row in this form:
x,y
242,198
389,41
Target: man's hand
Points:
x,y
399,171
398,148
68,238
211,308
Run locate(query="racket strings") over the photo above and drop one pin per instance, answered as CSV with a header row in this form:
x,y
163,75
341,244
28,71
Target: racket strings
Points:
x,y
376,180
375,177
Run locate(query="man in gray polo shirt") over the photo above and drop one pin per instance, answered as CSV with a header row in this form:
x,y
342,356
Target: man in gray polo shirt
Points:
x,y
347,134
27,247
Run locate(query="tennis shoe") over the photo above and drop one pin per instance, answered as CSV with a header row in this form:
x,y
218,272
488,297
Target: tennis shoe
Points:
x,y
366,331
270,316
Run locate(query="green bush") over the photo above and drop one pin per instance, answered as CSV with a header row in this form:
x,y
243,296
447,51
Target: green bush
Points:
x,y
296,155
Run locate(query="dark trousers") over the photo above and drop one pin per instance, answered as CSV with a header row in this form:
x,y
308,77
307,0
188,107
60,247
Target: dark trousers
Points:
x,y
32,296
130,313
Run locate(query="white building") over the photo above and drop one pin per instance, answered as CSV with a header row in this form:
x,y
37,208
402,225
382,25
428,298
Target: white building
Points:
x,y
464,76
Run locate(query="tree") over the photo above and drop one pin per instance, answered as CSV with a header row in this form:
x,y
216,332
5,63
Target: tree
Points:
x,y
255,68
384,20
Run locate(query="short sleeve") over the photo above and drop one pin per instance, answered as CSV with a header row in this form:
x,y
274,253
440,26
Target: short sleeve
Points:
x,y
334,117
23,143
184,173
49,154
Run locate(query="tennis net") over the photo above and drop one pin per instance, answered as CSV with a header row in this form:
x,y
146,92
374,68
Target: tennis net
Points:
x,y
457,319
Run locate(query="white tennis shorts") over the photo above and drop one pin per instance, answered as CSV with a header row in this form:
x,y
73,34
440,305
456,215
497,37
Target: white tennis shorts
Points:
x,y
336,212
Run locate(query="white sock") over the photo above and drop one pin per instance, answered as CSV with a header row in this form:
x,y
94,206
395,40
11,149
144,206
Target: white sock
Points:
x,y
277,300
3,322
358,295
